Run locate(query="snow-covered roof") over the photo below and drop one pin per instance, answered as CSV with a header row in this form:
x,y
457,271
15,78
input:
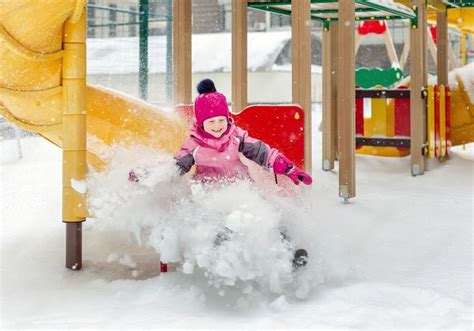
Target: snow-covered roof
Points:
x,y
210,52
393,5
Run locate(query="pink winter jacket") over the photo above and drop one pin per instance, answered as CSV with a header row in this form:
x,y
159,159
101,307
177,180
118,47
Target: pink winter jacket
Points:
x,y
218,158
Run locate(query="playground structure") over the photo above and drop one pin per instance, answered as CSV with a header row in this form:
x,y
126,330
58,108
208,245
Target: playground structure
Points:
x,y
387,131
388,118
43,89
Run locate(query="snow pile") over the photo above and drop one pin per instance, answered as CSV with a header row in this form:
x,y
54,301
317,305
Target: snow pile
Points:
x,y
466,75
233,234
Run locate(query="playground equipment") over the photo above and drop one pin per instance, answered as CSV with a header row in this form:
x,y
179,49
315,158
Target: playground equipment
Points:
x,y
339,92
461,18
111,117
438,121
462,105
375,134
392,118
43,88
387,131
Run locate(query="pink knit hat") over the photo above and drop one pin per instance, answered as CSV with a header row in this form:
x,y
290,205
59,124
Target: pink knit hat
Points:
x,y
209,103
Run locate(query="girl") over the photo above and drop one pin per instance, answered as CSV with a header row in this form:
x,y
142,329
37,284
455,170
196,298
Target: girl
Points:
x,y
215,142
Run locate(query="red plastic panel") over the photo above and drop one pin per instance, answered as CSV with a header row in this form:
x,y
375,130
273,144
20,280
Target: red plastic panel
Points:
x,y
448,120
434,33
280,126
366,27
437,133
402,118
359,113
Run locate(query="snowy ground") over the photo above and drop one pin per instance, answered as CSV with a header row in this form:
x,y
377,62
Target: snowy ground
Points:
x,y
398,257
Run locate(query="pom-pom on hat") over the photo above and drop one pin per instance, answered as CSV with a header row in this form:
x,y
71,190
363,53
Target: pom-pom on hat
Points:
x,y
206,86
209,102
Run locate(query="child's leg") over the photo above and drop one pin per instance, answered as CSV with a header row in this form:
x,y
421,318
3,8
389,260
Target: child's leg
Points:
x,y
223,235
300,256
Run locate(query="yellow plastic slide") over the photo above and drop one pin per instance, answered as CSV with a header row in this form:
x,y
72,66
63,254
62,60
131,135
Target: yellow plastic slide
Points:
x,y
31,94
461,83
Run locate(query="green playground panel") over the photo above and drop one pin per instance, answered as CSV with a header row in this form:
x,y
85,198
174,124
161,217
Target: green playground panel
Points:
x,y
459,3
368,78
325,11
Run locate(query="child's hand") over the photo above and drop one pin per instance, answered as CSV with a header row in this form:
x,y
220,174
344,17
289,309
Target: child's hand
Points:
x,y
137,175
132,176
283,166
297,175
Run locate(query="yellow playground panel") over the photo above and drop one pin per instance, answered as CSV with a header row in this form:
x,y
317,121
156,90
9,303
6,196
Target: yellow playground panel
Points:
x,y
461,18
380,124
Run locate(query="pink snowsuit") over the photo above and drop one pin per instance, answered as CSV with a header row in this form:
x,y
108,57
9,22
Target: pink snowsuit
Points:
x,y
218,158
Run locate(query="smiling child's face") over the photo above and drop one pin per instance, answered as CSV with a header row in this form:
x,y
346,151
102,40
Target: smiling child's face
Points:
x,y
215,126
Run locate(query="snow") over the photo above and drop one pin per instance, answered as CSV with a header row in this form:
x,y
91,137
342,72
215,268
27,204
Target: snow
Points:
x,y
120,55
393,5
79,186
399,256
466,75
287,67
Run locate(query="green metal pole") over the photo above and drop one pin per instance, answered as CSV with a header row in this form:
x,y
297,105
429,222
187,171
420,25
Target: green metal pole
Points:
x,y
169,52
143,52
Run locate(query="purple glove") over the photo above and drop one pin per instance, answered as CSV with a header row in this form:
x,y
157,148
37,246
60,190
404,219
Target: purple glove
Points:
x,y
137,175
283,166
132,176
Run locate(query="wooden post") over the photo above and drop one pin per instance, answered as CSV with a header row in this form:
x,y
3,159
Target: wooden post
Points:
x,y
392,53
301,69
404,55
329,96
442,47
418,73
346,99
239,55
182,32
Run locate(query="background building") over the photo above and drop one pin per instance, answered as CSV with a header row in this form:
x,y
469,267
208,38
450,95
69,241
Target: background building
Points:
x,y
119,18
109,19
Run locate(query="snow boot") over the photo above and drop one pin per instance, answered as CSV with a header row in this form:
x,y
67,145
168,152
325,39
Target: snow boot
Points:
x,y
300,258
223,235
